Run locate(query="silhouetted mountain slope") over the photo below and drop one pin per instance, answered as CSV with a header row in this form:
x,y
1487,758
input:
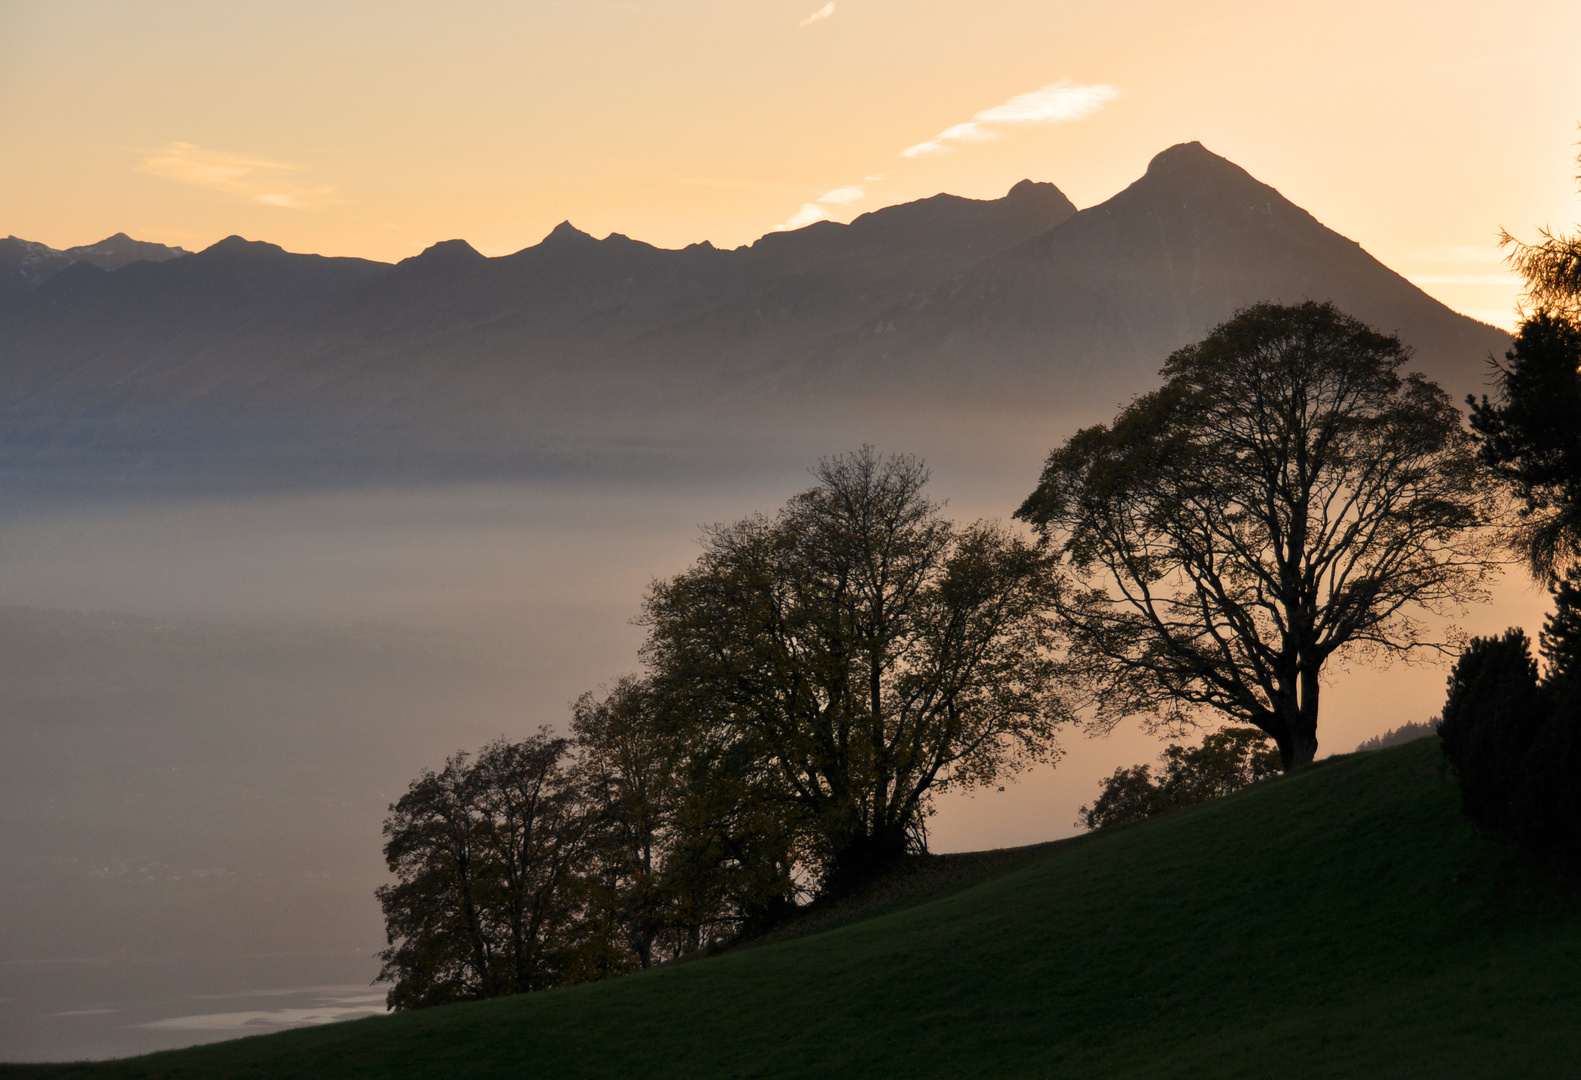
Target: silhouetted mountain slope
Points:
x,y
1021,303
1103,298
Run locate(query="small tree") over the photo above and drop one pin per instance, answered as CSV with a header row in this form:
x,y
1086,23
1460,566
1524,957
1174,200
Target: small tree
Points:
x,y
859,653
1285,497
489,896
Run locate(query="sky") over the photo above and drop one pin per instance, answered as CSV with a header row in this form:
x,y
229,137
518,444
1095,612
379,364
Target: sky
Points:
x,y
376,129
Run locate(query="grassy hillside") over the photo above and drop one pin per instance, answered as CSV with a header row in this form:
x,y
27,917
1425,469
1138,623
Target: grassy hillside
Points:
x,y
1344,922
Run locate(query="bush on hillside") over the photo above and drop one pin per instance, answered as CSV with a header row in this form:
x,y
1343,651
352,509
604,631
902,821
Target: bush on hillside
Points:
x,y
1514,741
1490,721
1227,760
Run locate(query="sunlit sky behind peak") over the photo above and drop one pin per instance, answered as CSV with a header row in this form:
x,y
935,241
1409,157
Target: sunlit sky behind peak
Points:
x,y
376,129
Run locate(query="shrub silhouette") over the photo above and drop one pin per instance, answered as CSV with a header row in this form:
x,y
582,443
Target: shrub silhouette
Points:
x,y
1514,741
1228,760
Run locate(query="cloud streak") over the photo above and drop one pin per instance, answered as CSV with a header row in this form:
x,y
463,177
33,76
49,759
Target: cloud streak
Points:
x,y
254,179
820,15
1056,103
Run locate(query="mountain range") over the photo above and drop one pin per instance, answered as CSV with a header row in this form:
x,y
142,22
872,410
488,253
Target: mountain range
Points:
x,y
245,356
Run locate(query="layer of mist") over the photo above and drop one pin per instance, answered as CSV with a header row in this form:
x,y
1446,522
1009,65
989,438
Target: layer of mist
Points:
x,y
208,703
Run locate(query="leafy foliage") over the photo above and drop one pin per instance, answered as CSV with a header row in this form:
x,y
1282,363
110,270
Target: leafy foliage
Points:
x,y
1531,438
1228,760
687,853
1285,497
858,653
489,898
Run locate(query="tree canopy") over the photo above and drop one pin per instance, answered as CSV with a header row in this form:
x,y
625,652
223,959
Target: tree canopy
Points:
x,y
1285,497
1531,435
859,653
1531,438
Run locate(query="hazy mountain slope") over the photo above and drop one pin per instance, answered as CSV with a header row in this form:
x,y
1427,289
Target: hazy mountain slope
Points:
x,y
114,252
1098,302
246,351
1343,922
25,264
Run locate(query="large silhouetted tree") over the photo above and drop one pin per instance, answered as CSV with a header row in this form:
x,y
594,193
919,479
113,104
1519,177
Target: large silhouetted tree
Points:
x,y
1286,496
859,653
1530,432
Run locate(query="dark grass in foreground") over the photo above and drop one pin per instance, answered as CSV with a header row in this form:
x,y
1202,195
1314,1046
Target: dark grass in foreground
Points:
x,y
1343,922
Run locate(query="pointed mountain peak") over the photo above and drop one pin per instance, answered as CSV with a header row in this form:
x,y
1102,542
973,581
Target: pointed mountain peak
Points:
x,y
1193,160
448,252
567,233
1038,197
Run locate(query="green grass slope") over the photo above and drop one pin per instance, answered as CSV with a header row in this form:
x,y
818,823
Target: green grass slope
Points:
x,y
1343,922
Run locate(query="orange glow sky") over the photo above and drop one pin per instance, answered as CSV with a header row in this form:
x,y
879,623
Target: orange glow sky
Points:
x,y
376,129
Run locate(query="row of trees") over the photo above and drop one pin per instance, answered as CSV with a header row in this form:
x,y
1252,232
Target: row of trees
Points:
x,y
559,860
817,678
814,681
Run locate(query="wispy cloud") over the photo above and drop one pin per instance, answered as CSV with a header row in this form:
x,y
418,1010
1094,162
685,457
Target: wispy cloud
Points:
x,y
254,179
814,211
1056,103
820,15
842,195
809,213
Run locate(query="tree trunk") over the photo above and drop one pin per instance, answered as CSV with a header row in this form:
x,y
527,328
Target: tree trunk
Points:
x,y
862,858
1292,723
1302,750
1304,723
